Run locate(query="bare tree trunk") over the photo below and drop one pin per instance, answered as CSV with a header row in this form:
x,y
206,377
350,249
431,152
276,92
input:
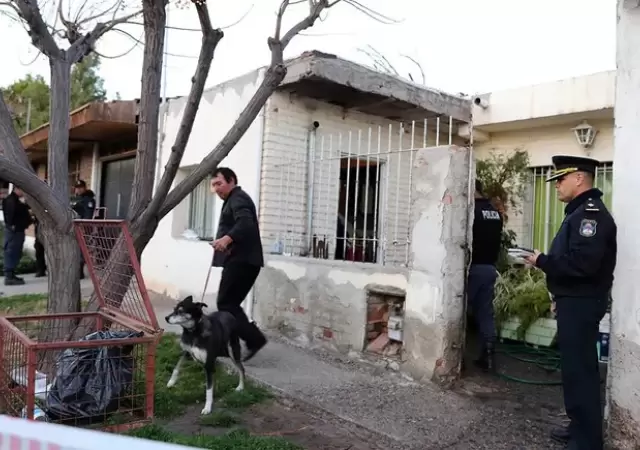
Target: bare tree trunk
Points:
x,y
63,256
155,17
58,145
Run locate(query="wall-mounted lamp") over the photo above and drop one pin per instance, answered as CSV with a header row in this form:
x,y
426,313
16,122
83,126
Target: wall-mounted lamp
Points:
x,y
585,134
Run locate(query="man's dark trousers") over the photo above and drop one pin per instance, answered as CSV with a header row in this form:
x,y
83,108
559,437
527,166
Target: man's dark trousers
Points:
x,y
578,324
13,245
236,282
41,265
480,292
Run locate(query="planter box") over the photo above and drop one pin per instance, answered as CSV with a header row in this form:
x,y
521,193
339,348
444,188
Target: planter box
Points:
x,y
541,333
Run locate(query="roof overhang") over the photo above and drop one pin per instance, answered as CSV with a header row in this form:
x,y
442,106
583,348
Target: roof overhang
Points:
x,y
353,86
91,123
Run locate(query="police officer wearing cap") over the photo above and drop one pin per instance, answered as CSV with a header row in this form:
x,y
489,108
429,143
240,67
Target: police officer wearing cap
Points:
x,y
579,270
83,203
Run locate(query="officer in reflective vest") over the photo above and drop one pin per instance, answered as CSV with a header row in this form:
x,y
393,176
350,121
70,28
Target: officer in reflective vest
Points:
x,y
579,270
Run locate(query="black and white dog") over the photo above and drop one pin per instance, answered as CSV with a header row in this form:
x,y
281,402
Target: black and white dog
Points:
x,y
206,337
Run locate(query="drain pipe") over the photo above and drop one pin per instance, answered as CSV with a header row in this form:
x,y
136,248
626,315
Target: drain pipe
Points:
x,y
250,299
311,147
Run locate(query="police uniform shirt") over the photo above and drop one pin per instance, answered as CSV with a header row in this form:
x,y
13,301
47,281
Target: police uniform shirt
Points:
x,y
582,256
487,233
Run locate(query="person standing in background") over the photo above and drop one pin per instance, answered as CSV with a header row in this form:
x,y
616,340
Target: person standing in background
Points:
x,y
487,236
83,203
38,246
17,219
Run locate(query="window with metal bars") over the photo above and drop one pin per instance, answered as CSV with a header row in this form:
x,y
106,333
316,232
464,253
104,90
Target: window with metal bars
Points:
x,y
548,211
201,204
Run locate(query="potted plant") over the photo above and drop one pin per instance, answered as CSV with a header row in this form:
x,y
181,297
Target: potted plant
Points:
x,y
522,307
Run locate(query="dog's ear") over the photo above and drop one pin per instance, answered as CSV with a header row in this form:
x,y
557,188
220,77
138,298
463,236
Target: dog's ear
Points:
x,y
188,299
202,305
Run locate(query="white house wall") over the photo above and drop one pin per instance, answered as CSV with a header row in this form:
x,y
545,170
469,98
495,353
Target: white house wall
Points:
x,y
172,264
283,198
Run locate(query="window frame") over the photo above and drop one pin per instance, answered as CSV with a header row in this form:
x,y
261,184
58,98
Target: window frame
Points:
x,y
202,222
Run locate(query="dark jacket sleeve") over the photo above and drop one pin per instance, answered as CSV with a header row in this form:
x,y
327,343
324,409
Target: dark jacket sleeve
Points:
x,y
9,211
242,210
585,252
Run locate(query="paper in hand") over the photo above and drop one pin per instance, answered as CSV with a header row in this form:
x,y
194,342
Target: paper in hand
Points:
x,y
519,254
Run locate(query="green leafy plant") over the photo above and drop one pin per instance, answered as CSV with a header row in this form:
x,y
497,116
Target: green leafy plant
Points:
x,y
521,294
504,178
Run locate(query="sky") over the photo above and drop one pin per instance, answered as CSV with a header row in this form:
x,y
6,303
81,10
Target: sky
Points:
x,y
463,46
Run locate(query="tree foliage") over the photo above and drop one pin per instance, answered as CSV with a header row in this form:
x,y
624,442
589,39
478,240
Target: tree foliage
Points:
x,y
504,178
86,86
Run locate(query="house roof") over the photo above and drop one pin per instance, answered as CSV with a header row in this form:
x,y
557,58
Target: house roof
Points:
x,y
93,122
339,81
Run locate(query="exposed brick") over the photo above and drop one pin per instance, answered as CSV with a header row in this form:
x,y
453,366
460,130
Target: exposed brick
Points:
x,y
378,345
377,313
327,333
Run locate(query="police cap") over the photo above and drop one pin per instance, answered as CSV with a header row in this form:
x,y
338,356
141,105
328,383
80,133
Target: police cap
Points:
x,y
564,165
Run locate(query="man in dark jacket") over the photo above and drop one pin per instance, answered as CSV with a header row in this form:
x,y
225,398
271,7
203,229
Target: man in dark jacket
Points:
x,y
579,268
238,250
83,203
17,219
487,234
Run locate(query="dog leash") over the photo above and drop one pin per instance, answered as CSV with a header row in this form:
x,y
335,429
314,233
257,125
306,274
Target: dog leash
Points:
x,y
206,282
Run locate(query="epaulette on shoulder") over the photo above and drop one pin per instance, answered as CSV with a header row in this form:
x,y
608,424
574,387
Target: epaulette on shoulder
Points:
x,y
591,206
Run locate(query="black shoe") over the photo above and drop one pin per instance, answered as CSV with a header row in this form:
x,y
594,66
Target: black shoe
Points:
x,y
487,359
11,280
255,341
561,435
41,274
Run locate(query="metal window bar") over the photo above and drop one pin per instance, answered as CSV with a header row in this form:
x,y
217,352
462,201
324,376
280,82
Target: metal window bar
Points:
x,y
201,205
359,209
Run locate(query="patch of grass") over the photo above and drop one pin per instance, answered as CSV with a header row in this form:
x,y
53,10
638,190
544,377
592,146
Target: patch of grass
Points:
x,y
26,304
17,305
219,419
190,388
235,440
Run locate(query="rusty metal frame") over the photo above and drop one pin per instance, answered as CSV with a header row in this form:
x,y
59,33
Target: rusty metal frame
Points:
x,y
105,313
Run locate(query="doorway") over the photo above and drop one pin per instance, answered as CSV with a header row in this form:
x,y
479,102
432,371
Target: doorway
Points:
x,y
116,187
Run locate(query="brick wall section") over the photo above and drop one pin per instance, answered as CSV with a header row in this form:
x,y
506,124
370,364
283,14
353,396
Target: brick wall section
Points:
x,y
283,196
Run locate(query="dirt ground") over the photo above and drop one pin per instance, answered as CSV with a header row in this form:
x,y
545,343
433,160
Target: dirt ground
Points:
x,y
301,424
513,415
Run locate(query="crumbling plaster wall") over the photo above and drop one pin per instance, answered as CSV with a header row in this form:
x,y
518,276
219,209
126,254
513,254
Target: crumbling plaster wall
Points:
x,y
324,302
434,324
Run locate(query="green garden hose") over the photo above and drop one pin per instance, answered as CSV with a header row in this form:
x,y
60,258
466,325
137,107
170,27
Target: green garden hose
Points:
x,y
546,359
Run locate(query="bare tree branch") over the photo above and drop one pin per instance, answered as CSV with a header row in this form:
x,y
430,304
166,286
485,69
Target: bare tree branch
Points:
x,y
40,193
10,143
413,60
87,42
210,40
273,77
41,38
155,18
